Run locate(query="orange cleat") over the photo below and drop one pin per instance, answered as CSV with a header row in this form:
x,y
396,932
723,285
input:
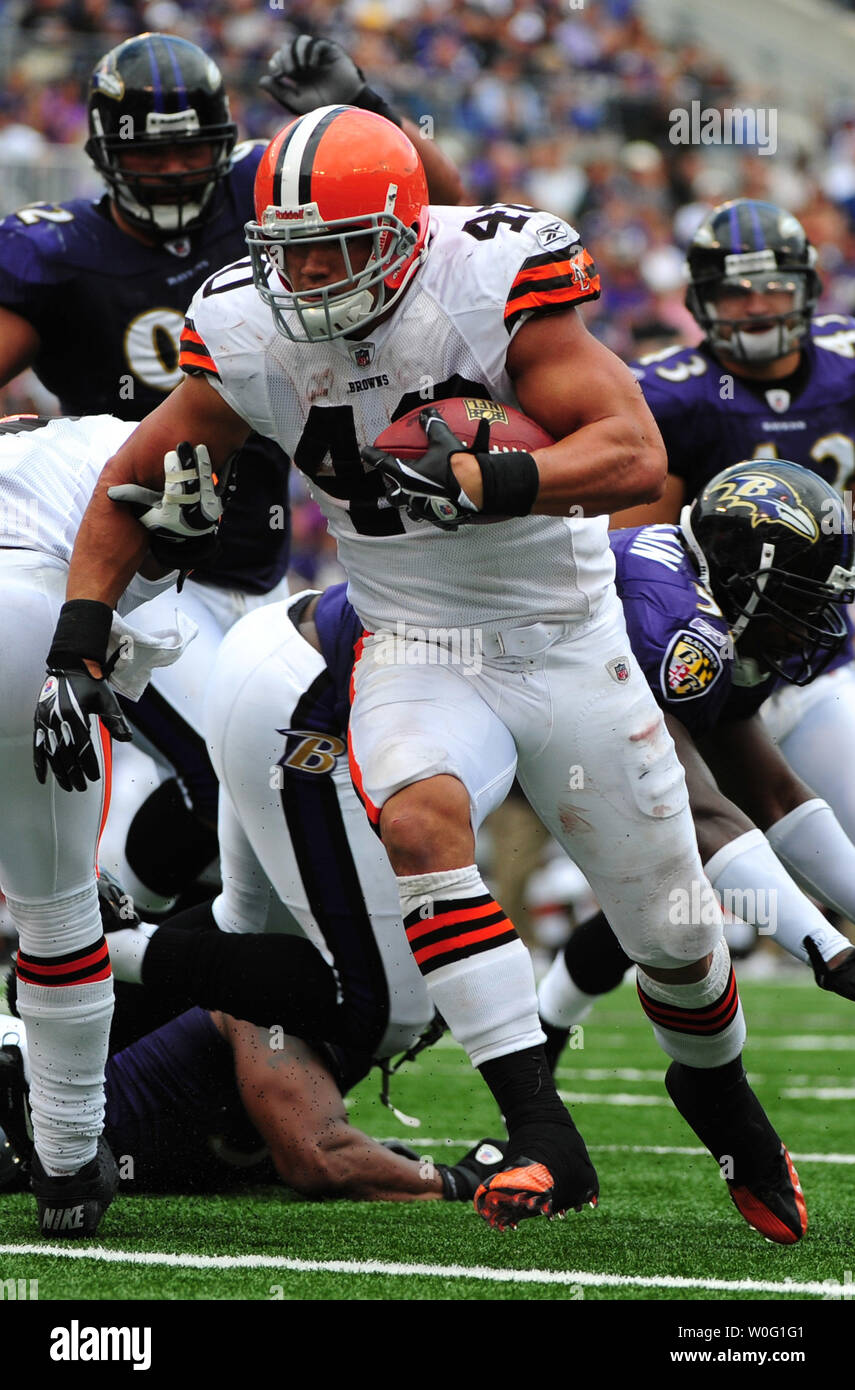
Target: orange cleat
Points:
x,y
775,1208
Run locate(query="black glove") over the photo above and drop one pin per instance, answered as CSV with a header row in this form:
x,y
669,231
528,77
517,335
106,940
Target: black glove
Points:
x,y
840,980
460,1183
183,519
63,734
70,696
306,73
426,487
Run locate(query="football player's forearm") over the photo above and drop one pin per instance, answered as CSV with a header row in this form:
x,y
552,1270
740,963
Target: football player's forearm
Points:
x,y
347,1164
598,469
109,549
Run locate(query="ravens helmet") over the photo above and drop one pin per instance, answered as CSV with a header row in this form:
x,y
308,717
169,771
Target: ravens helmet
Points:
x,y
747,247
151,94
773,545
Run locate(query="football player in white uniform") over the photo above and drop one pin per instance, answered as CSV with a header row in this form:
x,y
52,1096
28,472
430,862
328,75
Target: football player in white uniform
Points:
x,y
48,840
376,303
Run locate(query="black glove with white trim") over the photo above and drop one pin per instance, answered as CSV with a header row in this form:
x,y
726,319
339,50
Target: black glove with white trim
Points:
x,y
306,73
63,738
426,488
183,519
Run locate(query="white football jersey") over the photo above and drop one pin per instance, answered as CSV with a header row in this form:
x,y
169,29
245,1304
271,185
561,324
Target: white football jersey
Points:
x,y
47,476
486,270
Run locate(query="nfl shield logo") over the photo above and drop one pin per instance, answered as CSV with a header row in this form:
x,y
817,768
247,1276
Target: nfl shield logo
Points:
x,y
778,399
618,670
362,353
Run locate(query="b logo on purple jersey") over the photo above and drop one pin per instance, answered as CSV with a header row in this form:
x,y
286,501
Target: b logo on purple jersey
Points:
x,y
689,666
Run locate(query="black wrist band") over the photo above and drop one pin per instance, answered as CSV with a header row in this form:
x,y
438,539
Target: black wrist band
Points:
x,y
82,631
511,483
369,100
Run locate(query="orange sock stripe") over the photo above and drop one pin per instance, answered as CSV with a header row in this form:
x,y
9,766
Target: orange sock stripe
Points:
x,y
459,943
448,919
711,1018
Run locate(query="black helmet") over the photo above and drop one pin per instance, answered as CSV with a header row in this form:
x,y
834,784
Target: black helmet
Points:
x,y
773,545
153,92
742,246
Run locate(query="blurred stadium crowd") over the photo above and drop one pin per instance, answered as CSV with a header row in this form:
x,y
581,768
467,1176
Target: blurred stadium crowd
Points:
x,y
563,104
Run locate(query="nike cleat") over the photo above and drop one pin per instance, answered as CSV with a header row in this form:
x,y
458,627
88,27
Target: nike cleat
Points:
x,y
528,1189
72,1206
776,1208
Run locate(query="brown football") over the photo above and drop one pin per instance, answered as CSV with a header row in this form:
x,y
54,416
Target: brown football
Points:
x,y
510,430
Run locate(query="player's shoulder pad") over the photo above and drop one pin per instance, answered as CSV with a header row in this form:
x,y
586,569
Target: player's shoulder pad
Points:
x,y
670,612
835,334
226,318
44,241
246,157
673,375
519,258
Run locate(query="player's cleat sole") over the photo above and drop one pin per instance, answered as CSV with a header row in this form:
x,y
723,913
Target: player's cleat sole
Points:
x,y
72,1207
776,1208
526,1190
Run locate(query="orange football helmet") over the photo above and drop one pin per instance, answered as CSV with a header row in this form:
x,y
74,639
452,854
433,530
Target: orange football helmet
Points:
x,y
334,175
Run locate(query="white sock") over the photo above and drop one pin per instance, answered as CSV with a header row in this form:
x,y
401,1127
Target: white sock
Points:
x,y
819,854
477,971
700,1024
127,951
754,884
562,1003
65,997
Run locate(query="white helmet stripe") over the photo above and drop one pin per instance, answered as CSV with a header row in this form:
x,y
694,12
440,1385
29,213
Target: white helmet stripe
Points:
x,y
293,174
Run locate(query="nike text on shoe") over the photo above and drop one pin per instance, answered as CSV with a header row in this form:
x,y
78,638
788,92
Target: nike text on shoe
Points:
x,y
72,1206
774,1205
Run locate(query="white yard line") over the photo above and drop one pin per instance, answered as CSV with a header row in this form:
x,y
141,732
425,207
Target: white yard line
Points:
x,y
418,1141
579,1278
819,1093
616,1098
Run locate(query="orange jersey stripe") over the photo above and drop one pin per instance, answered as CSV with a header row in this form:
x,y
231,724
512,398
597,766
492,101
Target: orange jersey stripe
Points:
x,y
565,294
193,359
543,272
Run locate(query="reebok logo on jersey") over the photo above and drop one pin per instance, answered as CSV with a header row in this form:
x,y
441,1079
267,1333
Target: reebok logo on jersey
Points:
x,y
368,383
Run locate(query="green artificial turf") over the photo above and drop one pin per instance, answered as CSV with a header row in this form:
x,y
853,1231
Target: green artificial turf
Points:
x,y
660,1215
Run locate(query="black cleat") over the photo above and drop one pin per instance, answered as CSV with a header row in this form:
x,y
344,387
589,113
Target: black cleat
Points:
x,y
840,980
553,1172
774,1205
71,1207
